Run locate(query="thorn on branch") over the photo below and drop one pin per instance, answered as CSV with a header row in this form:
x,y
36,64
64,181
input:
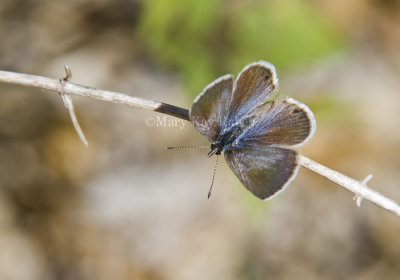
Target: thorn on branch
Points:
x,y
68,73
357,198
367,179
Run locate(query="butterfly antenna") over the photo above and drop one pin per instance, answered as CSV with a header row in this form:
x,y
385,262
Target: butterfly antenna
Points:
x,y
188,147
212,182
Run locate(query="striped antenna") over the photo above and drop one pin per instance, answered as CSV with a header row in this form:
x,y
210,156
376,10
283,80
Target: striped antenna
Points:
x,y
188,147
212,182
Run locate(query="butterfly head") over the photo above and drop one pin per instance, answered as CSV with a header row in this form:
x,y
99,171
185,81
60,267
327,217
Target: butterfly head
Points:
x,y
225,141
216,148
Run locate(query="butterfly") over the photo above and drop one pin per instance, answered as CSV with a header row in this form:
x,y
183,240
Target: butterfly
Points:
x,y
255,132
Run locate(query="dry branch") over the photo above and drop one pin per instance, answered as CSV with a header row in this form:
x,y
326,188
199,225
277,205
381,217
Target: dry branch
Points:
x,y
360,189
104,95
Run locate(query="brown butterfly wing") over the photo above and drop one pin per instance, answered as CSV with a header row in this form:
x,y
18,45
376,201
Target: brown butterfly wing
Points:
x,y
210,107
264,171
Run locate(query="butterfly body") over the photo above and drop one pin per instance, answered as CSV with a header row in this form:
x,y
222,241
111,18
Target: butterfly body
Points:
x,y
255,133
226,140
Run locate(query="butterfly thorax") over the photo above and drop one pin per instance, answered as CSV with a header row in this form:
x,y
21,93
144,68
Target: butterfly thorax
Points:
x,y
225,140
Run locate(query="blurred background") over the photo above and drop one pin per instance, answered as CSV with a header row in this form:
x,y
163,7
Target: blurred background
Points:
x,y
125,208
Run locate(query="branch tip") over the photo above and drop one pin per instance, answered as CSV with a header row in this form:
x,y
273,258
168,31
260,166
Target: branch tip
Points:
x,y
68,73
367,179
358,200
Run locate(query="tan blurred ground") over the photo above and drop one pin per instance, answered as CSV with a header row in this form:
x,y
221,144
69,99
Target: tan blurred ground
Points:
x,y
125,208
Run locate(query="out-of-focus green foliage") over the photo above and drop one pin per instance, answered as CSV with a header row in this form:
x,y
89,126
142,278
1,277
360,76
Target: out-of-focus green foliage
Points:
x,y
203,39
178,33
284,32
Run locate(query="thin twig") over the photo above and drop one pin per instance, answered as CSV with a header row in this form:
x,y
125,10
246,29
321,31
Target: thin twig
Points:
x,y
67,101
69,105
360,190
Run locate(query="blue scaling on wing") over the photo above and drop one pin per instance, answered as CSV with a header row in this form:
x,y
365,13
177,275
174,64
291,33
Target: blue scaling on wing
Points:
x,y
279,123
253,87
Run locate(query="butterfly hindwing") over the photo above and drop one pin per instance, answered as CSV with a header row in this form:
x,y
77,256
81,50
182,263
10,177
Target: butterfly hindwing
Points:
x,y
264,171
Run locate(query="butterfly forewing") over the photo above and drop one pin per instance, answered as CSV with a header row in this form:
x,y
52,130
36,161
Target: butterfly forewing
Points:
x,y
210,107
264,171
253,87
